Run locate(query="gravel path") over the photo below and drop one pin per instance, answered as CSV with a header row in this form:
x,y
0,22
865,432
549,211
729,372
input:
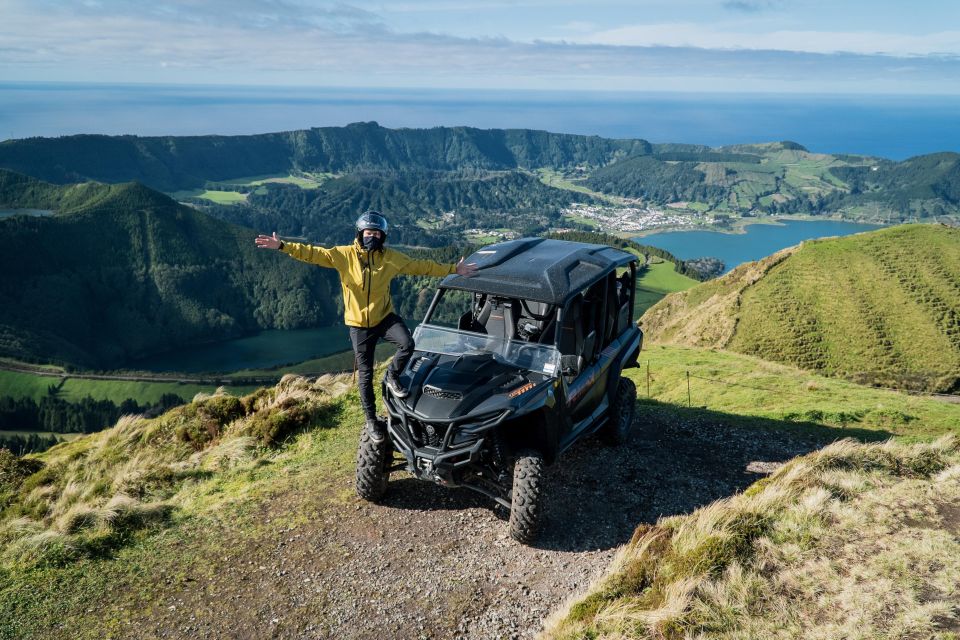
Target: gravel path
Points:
x,y
438,563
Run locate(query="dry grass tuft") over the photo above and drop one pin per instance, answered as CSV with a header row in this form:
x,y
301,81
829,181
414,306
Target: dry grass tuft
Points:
x,y
87,496
848,541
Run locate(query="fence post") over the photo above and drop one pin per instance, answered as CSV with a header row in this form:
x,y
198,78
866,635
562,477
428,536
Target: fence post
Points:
x,y
689,402
648,378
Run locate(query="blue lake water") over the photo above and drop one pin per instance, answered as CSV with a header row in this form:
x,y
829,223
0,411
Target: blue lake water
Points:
x,y
8,213
760,240
266,349
889,126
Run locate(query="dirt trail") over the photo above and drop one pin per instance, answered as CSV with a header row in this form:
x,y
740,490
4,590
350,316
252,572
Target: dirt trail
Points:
x,y
437,563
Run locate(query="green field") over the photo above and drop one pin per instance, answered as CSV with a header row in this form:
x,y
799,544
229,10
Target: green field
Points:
x,y
219,197
553,178
19,385
659,279
305,180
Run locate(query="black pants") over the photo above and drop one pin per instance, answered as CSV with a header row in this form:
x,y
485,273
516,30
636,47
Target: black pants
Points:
x,y
393,330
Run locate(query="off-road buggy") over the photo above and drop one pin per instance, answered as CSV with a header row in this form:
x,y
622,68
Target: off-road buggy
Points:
x,y
512,366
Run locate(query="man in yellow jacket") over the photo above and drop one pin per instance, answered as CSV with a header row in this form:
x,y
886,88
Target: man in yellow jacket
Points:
x,y
366,268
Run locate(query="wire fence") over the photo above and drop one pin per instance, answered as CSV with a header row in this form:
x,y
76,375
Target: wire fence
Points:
x,y
784,392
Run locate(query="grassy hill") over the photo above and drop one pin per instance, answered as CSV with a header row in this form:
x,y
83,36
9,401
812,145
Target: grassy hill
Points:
x,y
103,536
122,271
881,308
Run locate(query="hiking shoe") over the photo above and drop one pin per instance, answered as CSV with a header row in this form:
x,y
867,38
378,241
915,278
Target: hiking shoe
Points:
x,y
377,430
394,385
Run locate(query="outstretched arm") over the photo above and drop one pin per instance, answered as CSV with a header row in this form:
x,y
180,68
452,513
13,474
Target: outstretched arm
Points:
x,y
304,252
412,267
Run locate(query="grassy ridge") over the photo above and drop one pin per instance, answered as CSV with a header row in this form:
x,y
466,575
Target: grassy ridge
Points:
x,y
881,308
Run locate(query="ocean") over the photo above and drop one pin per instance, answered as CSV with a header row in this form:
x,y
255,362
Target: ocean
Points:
x,y
894,127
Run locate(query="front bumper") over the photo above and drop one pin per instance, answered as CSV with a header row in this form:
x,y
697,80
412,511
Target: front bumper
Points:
x,y
441,459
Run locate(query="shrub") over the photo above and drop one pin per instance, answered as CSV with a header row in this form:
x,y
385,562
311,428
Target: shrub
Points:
x,y
203,421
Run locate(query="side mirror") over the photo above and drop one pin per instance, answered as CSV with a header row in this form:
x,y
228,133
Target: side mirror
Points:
x,y
569,365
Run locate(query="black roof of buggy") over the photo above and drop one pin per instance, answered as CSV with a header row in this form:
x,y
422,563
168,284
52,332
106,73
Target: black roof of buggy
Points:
x,y
538,269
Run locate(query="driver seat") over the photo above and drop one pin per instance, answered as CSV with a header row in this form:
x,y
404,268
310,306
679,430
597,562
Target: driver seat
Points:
x,y
499,317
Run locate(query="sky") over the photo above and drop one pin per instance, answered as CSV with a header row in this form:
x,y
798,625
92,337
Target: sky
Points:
x,y
804,46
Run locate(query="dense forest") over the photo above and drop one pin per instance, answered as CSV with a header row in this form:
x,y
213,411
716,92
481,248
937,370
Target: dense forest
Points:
x,y
126,272
412,200
655,180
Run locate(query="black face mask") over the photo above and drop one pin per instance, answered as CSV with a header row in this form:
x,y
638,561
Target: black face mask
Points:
x,y
372,243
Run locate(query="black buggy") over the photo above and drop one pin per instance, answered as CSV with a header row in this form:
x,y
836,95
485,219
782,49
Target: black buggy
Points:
x,y
512,366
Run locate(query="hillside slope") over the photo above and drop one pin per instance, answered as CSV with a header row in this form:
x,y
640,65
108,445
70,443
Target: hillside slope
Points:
x,y
236,517
122,271
881,308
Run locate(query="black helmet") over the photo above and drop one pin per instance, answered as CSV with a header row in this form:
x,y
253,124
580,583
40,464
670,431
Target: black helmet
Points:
x,y
372,220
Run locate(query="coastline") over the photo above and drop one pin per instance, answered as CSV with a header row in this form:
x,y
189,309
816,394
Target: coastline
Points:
x,y
739,225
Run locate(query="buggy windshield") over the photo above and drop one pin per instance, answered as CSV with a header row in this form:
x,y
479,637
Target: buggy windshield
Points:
x,y
542,358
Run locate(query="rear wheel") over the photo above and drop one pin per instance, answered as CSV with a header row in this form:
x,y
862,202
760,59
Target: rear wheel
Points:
x,y
618,427
526,503
373,467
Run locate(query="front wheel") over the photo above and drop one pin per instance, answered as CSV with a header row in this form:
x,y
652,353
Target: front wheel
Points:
x,y
526,504
620,423
373,467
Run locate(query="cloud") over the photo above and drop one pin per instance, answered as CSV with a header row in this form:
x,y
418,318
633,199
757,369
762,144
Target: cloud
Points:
x,y
247,14
808,41
281,42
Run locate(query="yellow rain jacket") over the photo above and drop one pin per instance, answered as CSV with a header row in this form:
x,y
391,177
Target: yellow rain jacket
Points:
x,y
365,276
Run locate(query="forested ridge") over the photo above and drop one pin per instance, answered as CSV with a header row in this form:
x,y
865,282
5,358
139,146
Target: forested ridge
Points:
x,y
326,215
128,272
484,173
170,163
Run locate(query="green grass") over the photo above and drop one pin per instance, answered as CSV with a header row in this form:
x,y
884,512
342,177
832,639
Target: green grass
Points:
x,y
223,512
664,278
879,307
659,279
745,387
214,510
